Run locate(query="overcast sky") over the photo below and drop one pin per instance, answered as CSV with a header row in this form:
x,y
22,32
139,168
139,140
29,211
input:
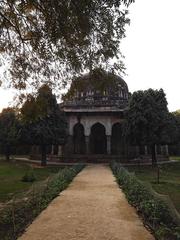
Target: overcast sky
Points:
x,y
151,49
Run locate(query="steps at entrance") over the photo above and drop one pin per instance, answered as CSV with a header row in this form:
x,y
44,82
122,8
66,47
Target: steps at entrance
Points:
x,y
95,158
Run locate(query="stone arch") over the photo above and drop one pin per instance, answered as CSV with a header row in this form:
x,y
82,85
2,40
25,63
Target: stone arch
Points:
x,y
117,141
89,122
98,140
79,139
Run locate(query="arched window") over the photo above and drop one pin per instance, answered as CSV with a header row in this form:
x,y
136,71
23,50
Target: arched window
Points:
x,y
79,139
98,141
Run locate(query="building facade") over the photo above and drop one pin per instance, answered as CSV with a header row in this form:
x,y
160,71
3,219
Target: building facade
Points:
x,y
95,116
95,107
95,110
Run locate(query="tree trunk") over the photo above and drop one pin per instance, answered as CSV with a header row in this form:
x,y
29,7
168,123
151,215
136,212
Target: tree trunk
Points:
x,y
158,175
43,155
153,153
7,157
7,153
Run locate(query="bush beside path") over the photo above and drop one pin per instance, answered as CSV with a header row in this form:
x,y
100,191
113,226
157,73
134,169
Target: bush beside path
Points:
x,y
91,208
19,212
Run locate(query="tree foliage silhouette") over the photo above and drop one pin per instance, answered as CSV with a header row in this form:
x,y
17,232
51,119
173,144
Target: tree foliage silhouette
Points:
x,y
43,123
49,39
149,121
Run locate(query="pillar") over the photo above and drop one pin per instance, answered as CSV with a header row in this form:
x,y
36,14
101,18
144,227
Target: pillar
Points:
x,y
166,150
38,149
108,144
156,149
87,144
137,150
33,149
52,150
145,150
162,152
69,146
60,150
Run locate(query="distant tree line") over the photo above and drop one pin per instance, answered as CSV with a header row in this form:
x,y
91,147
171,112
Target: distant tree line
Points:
x,y
149,122
41,122
174,148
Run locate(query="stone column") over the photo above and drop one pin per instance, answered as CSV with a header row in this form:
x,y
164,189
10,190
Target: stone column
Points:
x,y
137,150
69,146
108,144
87,144
156,149
162,150
166,150
52,150
145,150
33,149
60,151
38,149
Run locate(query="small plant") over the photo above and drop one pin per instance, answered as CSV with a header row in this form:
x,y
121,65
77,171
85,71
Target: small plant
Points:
x,y
19,213
155,212
29,177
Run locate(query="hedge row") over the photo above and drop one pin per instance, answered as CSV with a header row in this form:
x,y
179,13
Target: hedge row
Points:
x,y
19,213
156,213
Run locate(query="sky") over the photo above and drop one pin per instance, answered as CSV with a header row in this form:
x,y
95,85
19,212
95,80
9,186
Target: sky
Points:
x,y
151,49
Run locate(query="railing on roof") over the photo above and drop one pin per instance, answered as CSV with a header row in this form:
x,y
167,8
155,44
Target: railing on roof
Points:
x,y
90,103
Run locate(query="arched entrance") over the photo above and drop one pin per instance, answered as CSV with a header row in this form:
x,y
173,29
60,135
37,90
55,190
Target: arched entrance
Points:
x,y
98,141
79,139
117,143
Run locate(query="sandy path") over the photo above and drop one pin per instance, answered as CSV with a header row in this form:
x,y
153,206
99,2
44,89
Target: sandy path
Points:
x,y
92,208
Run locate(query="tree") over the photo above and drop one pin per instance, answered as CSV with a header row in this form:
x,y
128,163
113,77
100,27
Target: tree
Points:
x,y
148,120
9,129
46,39
176,114
43,122
175,148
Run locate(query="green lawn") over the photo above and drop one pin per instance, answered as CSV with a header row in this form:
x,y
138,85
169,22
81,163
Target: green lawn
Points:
x,y
175,158
169,180
12,173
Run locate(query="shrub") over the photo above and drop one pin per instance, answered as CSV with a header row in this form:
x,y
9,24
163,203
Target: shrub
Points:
x,y
18,213
155,212
29,177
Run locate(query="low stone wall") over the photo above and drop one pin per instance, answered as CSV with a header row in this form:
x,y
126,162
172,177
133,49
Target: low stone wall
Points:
x,y
75,158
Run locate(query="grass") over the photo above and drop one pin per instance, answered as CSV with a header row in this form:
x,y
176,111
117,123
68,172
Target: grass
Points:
x,y
175,158
11,174
18,214
169,180
13,156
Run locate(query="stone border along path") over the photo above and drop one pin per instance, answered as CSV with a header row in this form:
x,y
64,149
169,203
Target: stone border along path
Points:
x,y
91,208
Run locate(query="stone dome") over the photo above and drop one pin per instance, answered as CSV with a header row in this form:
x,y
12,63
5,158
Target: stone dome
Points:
x,y
98,88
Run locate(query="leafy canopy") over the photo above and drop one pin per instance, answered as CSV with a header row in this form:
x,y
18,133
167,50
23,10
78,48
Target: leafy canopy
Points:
x,y
46,40
42,104
9,130
43,122
8,126
148,119
176,115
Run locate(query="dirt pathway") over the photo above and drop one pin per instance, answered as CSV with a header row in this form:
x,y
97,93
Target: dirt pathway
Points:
x,y
92,208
